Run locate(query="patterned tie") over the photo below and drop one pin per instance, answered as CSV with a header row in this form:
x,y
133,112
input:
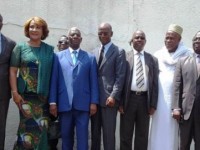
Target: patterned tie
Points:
x,y
101,56
74,56
139,72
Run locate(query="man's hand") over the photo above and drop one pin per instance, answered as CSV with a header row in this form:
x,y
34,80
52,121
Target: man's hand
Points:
x,y
93,109
110,102
176,114
53,110
121,109
151,111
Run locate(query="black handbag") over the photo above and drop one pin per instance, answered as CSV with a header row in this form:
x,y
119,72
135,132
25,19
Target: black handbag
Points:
x,y
54,129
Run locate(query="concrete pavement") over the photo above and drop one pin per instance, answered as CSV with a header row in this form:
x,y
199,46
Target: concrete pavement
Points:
x,y
12,125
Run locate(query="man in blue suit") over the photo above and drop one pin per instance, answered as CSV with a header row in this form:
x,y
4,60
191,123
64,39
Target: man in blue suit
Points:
x,y
74,91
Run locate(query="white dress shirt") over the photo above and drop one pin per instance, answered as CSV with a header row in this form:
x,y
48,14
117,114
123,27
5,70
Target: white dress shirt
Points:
x,y
106,47
133,83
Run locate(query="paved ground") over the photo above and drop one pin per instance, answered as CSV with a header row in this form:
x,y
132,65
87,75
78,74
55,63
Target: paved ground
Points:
x,y
12,125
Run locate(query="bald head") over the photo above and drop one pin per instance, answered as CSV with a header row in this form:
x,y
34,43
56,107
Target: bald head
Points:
x,y
75,38
139,32
105,33
105,25
138,40
74,29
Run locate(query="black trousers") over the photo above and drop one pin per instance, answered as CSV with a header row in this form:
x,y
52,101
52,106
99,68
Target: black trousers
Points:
x,y
53,144
96,130
136,118
190,129
4,104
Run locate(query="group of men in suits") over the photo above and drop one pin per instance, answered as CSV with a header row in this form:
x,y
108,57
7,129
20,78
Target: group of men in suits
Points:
x,y
93,85
100,84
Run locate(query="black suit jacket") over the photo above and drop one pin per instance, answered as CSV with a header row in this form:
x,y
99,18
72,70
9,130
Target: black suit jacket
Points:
x,y
111,74
151,67
7,46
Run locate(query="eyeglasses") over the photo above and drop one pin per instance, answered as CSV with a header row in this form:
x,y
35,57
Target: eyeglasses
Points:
x,y
103,33
139,37
196,39
62,42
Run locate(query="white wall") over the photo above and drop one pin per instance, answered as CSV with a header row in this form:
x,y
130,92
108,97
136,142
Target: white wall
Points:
x,y
152,16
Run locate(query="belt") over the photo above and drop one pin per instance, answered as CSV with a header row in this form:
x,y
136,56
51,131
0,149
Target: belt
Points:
x,y
144,93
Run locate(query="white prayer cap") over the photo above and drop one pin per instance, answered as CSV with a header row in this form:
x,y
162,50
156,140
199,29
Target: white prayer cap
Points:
x,y
175,28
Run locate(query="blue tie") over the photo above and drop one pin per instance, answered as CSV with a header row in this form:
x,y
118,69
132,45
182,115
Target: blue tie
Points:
x,y
74,56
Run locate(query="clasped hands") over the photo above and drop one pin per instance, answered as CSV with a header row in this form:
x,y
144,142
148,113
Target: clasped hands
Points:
x,y
110,102
176,114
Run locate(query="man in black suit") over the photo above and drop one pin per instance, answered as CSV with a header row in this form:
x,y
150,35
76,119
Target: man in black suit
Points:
x,y
140,94
111,72
186,100
6,47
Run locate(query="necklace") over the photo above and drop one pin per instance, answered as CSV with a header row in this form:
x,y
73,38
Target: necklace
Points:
x,y
36,51
35,48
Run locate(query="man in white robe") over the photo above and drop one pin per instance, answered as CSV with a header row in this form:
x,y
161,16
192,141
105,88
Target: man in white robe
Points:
x,y
164,129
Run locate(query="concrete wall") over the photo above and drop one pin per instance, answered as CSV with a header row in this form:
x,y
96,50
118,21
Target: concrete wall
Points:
x,y
152,16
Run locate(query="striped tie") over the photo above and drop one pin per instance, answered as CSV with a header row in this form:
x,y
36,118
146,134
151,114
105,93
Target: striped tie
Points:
x,y
139,72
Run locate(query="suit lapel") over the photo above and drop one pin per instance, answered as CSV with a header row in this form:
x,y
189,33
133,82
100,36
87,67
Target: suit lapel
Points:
x,y
3,44
147,63
68,56
80,57
96,53
130,59
194,66
108,55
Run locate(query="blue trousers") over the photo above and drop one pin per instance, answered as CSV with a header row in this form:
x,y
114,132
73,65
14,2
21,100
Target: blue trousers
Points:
x,y
69,121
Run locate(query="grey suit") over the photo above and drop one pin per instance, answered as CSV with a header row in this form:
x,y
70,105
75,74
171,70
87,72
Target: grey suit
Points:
x,y
111,75
136,106
187,98
7,46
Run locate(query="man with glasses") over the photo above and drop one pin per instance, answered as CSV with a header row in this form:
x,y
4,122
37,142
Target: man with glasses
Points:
x,y
111,74
63,43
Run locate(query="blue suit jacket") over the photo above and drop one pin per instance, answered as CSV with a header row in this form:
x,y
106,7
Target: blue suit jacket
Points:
x,y
74,86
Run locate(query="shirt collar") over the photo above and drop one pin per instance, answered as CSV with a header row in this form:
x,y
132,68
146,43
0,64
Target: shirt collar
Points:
x,y
71,50
107,45
136,52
